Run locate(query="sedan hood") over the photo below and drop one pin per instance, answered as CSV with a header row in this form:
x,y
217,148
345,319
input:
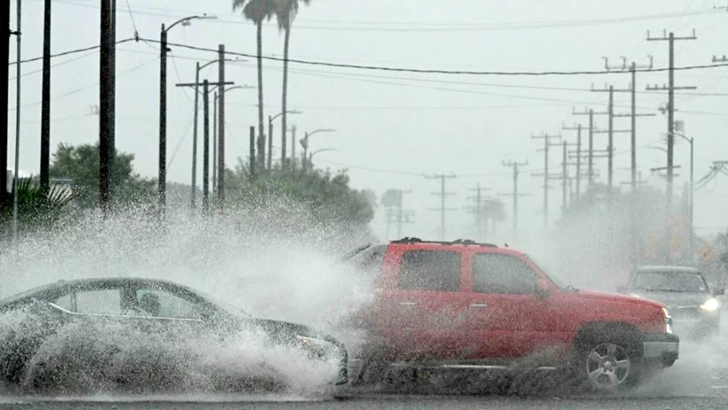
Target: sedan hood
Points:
x,y
285,331
676,299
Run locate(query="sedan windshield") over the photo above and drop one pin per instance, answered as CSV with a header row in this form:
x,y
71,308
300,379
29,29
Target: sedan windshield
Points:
x,y
670,282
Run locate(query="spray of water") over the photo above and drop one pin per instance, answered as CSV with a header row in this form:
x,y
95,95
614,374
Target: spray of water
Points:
x,y
248,258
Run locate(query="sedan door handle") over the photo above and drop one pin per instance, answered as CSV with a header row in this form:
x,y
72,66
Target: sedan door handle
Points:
x,y
478,305
408,303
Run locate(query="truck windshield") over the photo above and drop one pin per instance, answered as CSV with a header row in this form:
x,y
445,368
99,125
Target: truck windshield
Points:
x,y
553,278
367,258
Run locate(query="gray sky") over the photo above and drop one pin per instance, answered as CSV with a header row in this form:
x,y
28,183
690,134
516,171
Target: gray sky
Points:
x,y
394,127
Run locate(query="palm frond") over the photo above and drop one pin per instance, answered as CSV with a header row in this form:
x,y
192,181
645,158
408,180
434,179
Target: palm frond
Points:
x,y
258,10
286,11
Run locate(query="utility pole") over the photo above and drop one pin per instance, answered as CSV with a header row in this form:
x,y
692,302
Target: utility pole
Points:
x,y
270,143
670,122
293,147
400,211
633,145
578,128
479,211
219,87
106,105
610,131
215,96
515,167
304,144
163,50
221,128
632,89
4,103
592,129
206,147
207,87
546,176
401,215
193,194
564,178
18,70
45,127
252,152
162,171
261,146
442,194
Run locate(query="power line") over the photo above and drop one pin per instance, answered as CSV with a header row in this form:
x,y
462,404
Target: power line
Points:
x,y
340,75
131,16
28,73
425,26
78,90
69,52
438,71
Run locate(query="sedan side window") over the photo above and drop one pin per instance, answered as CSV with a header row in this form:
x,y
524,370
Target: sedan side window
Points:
x,y
101,301
505,274
430,270
160,303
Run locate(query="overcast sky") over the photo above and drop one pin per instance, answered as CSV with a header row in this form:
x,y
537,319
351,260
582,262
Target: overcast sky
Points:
x,y
394,128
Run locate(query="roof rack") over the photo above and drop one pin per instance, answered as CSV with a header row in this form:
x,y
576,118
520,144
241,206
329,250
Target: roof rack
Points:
x,y
466,242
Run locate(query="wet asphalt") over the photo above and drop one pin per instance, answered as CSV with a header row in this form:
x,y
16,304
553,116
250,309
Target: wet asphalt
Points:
x,y
699,380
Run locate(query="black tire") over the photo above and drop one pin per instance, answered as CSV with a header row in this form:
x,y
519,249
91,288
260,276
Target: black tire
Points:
x,y
609,362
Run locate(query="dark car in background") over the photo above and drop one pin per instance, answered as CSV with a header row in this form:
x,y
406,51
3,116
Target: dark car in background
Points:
x,y
110,322
695,306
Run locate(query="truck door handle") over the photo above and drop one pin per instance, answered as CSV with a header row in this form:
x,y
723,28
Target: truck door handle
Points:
x,y
478,305
408,303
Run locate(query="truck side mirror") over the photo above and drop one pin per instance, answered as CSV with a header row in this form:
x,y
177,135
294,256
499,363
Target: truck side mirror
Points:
x,y
543,293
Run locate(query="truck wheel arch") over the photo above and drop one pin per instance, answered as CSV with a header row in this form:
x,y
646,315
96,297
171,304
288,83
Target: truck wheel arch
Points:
x,y
595,332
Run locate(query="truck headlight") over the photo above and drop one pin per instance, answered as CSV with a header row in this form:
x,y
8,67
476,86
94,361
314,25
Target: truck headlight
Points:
x,y
710,305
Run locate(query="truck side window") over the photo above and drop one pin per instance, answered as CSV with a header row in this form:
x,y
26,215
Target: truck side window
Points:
x,y
430,270
497,273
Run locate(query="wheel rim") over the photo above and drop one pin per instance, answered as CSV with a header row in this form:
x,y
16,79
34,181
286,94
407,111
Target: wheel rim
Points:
x,y
607,366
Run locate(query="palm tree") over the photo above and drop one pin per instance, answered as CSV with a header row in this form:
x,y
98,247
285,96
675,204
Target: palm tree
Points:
x,y
286,11
38,207
258,11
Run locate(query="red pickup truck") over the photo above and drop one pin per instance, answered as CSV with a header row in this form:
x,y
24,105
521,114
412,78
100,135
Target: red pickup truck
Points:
x,y
465,305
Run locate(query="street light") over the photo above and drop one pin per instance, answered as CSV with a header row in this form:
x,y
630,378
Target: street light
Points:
x,y
304,142
310,157
283,138
215,135
162,178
